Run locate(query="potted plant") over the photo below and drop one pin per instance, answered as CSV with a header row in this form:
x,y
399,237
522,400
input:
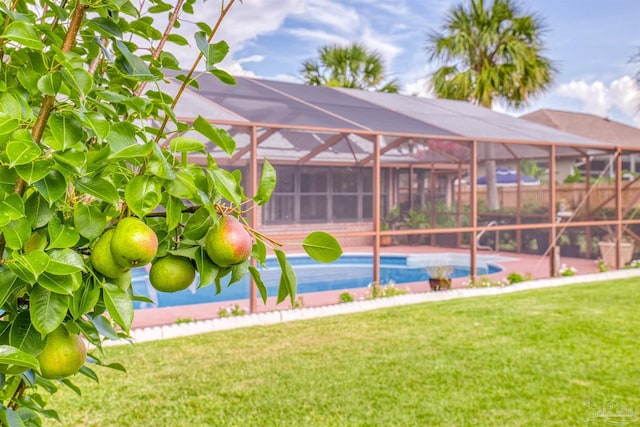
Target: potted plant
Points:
x,y
439,277
607,248
387,224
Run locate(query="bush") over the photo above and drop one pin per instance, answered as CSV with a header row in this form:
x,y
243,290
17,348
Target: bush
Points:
x,y
345,297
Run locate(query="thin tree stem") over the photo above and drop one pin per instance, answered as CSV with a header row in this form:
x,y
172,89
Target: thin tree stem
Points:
x,y
192,71
163,40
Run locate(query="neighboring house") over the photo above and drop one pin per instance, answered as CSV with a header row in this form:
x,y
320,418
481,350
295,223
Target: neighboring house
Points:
x,y
594,127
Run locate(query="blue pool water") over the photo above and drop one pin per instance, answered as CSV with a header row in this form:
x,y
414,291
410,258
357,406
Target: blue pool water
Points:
x,y
350,271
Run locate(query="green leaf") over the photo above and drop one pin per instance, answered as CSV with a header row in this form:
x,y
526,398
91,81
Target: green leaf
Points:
x,y
223,76
267,184
12,356
53,186
75,161
137,151
9,417
178,39
89,220
63,285
173,208
83,300
181,144
187,252
121,136
226,185
217,52
322,247
38,210
183,186
11,208
158,164
63,131
8,124
35,171
71,386
257,279
8,178
20,152
119,305
50,83
107,27
9,283
61,235
98,124
143,194
24,34
197,225
259,252
65,261
219,137
206,268
24,336
135,67
29,266
288,281
89,373
17,233
238,272
48,309
202,43
79,80
99,188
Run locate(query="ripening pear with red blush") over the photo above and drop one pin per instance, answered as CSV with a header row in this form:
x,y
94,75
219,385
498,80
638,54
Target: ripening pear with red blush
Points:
x,y
228,243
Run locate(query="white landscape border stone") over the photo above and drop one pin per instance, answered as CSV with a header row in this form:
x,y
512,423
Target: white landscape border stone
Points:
x,y
273,317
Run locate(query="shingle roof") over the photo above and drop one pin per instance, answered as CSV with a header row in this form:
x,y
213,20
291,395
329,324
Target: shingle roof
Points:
x,y
589,126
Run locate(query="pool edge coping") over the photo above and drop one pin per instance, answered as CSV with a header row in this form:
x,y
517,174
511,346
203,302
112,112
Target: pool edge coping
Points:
x,y
160,332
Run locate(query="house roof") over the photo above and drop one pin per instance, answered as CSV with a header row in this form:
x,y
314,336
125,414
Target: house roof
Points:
x,y
588,125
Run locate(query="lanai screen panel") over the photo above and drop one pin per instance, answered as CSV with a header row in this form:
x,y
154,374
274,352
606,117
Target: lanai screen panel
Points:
x,y
358,110
259,104
471,121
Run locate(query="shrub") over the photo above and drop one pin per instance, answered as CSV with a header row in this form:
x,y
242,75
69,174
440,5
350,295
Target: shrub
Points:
x,y
345,297
382,291
515,277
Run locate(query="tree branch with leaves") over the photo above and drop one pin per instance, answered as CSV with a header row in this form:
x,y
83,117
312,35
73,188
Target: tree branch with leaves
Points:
x,y
90,189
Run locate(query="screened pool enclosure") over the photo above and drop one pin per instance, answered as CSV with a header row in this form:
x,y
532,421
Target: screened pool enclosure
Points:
x,y
423,173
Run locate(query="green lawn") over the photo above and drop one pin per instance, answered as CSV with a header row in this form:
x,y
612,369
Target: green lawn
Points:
x,y
552,357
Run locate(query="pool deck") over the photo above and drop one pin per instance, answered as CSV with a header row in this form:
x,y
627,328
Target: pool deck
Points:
x,y
536,265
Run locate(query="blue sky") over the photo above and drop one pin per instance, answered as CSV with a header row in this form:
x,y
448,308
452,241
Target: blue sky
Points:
x,y
590,42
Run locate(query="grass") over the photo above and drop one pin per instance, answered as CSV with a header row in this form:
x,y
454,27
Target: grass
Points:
x,y
552,357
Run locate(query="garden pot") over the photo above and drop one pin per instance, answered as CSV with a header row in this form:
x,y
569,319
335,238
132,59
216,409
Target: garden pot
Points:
x,y
608,253
439,283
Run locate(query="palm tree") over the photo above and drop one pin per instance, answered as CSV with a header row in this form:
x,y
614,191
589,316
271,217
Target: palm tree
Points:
x,y
352,66
490,54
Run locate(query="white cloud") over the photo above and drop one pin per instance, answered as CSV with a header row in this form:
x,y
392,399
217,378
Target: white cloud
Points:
x,y
420,87
319,36
622,95
330,14
243,24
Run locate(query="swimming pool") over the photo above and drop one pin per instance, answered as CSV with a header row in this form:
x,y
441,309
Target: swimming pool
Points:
x,y
350,271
